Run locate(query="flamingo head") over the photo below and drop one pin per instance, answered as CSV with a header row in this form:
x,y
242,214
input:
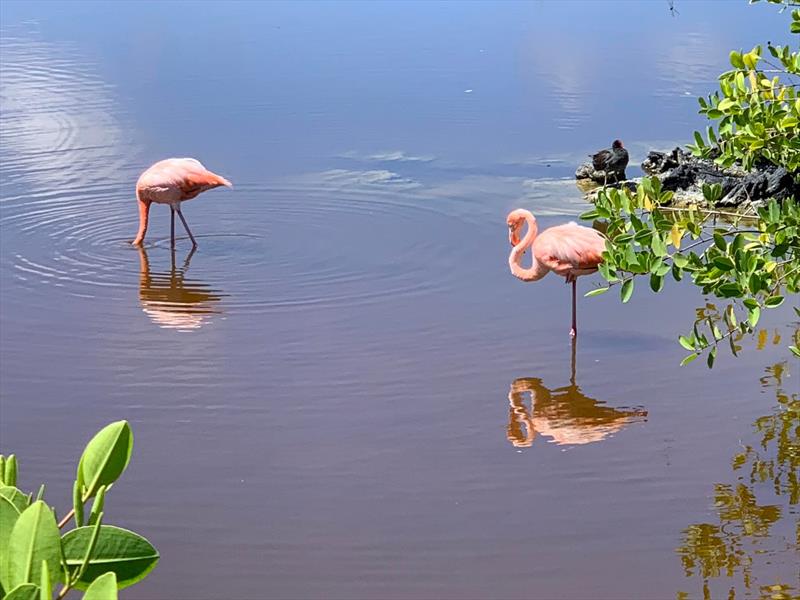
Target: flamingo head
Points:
x,y
515,222
617,144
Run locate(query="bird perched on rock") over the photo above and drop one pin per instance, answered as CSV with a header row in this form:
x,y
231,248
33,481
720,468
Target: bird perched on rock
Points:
x,y
612,162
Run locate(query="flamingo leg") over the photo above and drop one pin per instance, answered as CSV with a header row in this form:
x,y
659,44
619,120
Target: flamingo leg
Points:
x,y
186,226
172,228
574,331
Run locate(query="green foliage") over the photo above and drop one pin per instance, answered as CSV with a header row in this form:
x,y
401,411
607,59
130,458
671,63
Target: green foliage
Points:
x,y
751,262
126,554
105,458
24,591
34,539
98,558
757,114
102,588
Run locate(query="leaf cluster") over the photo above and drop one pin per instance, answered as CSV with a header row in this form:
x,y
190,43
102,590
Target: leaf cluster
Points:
x,y
93,556
756,110
750,261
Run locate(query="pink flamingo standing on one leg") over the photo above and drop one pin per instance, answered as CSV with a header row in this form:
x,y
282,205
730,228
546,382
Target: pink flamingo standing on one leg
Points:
x,y
568,250
172,181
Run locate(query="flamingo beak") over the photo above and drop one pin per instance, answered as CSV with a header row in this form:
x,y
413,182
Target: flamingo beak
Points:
x,y
512,236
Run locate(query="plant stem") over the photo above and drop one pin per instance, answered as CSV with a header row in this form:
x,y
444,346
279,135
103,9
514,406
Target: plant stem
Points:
x,y
64,590
66,518
778,280
709,211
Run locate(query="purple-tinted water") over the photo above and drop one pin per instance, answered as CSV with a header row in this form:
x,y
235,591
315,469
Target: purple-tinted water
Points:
x,y
343,393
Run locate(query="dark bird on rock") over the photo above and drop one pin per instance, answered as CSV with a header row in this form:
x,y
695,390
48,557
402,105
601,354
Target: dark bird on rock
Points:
x,y
612,162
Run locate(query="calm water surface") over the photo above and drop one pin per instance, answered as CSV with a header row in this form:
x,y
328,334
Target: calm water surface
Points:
x,y
343,393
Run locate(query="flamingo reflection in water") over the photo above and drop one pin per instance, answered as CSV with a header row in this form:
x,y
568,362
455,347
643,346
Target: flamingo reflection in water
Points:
x,y
171,300
565,415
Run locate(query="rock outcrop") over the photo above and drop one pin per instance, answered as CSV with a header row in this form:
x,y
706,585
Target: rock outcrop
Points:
x,y
587,171
685,174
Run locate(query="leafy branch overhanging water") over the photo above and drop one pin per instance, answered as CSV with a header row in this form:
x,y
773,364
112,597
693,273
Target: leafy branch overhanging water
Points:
x,y
752,260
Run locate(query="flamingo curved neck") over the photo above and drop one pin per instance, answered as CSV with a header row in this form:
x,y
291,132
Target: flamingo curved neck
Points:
x,y
536,271
144,213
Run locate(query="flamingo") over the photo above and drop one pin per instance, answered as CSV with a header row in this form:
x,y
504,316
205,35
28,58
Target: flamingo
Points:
x,y
568,250
172,181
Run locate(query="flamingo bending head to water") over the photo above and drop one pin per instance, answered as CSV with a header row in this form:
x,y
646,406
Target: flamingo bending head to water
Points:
x,y
568,250
172,181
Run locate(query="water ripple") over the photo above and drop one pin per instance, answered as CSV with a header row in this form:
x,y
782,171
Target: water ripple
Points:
x,y
68,166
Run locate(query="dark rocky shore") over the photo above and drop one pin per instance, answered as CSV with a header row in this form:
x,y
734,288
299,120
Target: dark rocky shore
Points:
x,y
684,174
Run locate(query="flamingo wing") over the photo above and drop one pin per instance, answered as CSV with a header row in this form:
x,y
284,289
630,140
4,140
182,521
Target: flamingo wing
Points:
x,y
568,248
185,176
192,177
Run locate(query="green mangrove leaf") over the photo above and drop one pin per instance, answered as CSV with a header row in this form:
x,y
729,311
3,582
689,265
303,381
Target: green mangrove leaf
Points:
x,y
24,591
773,301
77,503
656,282
689,359
753,316
10,470
623,239
125,553
679,260
8,516
726,105
685,342
35,538
15,496
723,263
105,458
729,290
658,245
795,350
596,292
103,588
627,290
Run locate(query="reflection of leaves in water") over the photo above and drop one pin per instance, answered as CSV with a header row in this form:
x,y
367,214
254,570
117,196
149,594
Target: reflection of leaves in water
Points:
x,y
171,300
744,537
566,415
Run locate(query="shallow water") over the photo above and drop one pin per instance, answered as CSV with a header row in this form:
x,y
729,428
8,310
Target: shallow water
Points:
x,y
343,393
